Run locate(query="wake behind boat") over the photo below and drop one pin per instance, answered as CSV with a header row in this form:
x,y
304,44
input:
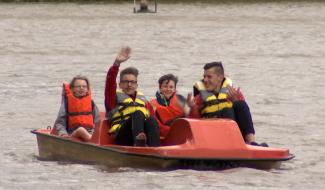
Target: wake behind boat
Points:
x,y
191,143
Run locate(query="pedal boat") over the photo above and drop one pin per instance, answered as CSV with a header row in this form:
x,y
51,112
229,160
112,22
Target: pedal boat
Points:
x,y
190,144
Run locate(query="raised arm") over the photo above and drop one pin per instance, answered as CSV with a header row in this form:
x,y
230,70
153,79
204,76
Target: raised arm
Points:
x,y
123,55
111,84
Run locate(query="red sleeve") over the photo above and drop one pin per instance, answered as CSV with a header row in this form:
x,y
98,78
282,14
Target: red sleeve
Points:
x,y
110,87
195,113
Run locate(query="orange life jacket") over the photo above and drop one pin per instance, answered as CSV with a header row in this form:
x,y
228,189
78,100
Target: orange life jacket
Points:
x,y
79,110
167,114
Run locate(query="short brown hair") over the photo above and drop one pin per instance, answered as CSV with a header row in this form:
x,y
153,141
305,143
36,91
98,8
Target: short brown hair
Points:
x,y
217,65
129,71
168,77
79,77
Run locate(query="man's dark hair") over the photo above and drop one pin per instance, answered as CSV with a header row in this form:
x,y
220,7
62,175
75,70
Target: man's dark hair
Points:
x,y
168,77
129,71
217,65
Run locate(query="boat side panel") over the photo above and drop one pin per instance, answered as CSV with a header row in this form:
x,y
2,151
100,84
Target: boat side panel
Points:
x,y
53,148
57,148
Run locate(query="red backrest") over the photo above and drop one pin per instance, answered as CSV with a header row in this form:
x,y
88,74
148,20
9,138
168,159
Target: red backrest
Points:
x,y
100,135
180,131
208,133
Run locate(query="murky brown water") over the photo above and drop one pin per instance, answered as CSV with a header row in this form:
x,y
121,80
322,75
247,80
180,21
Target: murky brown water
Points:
x,y
274,52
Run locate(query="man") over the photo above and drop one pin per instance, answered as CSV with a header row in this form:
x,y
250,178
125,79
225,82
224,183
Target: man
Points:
x,y
127,109
216,98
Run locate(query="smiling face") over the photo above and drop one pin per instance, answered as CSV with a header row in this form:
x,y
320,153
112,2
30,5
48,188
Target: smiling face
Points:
x,y
167,88
80,88
212,80
128,84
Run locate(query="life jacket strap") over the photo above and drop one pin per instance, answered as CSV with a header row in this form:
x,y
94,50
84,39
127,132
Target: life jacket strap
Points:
x,y
79,113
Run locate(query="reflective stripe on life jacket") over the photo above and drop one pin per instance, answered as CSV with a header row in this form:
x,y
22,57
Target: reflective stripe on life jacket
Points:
x,y
167,114
211,104
79,110
125,107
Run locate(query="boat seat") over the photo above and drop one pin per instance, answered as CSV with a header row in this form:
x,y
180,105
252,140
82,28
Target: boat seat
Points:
x,y
100,135
212,133
180,126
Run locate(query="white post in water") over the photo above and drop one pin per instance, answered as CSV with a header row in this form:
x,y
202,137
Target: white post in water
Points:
x,y
134,6
143,7
155,6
